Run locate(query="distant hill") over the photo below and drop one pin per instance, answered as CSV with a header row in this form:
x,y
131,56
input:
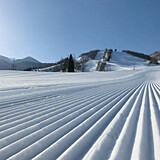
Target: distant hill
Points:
x,y
21,64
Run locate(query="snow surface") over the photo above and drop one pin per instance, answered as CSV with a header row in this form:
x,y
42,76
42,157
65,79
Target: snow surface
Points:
x,y
71,116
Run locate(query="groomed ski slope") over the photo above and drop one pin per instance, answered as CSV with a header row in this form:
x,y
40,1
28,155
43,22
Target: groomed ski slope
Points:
x,y
118,61
71,116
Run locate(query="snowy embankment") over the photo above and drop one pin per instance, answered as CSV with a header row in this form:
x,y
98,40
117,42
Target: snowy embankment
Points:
x,y
109,115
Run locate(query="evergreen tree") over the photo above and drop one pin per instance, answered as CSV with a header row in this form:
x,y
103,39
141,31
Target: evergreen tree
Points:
x,y
71,64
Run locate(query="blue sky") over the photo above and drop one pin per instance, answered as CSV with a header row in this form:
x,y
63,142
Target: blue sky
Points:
x,y
50,29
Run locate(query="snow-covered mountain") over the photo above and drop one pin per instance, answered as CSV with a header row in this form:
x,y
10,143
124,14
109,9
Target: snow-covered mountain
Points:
x,y
102,60
96,60
108,60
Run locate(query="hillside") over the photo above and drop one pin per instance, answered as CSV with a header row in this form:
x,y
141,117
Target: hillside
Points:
x,y
118,61
101,60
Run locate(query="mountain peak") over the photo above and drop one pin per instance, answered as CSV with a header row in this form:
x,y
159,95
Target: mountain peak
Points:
x,y
30,59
